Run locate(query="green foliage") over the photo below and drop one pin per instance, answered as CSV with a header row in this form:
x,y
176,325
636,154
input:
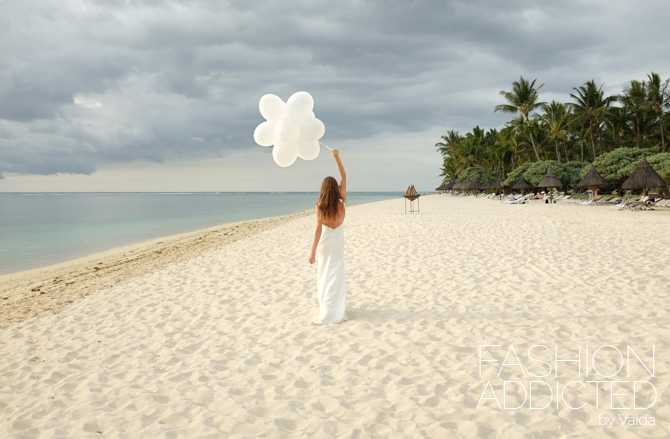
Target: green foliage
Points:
x,y
479,173
661,164
538,170
569,173
514,176
616,166
574,172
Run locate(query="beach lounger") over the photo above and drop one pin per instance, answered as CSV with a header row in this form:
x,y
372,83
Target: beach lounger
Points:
x,y
625,203
591,201
519,200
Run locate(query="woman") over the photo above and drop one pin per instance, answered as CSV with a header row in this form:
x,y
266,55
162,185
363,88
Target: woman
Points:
x,y
328,249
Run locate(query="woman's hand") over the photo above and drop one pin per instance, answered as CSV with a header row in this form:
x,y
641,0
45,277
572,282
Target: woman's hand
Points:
x,y
335,152
312,258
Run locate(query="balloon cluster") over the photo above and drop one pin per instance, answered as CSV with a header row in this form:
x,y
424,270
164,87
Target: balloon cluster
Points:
x,y
291,127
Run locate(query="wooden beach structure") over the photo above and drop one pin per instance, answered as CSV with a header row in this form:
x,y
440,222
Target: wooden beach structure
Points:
x,y
644,177
475,185
497,186
550,181
593,181
411,195
522,185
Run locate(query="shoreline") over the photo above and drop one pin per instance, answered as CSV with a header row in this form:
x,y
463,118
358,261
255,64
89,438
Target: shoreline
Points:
x,y
30,293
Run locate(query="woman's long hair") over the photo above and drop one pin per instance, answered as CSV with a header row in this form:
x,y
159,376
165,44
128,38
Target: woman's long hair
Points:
x,y
329,198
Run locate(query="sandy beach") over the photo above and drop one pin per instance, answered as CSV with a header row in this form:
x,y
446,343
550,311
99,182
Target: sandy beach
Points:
x,y
217,342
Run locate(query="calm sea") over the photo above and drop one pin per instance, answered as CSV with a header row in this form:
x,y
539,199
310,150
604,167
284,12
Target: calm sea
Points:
x,y
40,229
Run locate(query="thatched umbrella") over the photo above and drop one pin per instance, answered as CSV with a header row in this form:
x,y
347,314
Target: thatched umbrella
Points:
x,y
644,177
474,185
593,181
449,186
522,184
498,184
550,181
461,184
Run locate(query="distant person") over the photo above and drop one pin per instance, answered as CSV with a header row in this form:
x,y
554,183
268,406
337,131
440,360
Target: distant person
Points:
x,y
328,249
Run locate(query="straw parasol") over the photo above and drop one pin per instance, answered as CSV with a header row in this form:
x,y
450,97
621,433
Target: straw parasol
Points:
x,y
644,177
498,184
550,181
474,184
592,180
449,186
411,195
522,184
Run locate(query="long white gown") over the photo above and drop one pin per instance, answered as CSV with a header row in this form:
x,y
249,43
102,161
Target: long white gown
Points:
x,y
331,280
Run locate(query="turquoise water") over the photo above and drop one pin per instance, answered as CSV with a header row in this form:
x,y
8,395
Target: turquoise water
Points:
x,y
40,229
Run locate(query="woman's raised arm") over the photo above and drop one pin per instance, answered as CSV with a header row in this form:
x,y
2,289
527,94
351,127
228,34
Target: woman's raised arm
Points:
x,y
343,175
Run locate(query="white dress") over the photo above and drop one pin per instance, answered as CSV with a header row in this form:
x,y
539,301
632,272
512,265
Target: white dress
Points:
x,y
331,280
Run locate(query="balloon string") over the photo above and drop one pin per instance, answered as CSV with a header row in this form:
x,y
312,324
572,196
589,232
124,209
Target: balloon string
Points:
x,y
325,145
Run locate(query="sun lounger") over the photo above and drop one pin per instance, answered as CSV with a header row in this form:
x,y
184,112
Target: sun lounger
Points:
x,y
519,200
592,201
625,203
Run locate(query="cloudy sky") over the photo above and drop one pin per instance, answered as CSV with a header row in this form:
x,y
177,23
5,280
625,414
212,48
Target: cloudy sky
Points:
x,y
153,95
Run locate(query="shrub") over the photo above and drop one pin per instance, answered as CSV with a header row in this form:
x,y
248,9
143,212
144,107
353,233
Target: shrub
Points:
x,y
514,176
661,164
480,174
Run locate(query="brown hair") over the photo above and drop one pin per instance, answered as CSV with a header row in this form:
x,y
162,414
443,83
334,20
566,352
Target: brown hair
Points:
x,y
329,198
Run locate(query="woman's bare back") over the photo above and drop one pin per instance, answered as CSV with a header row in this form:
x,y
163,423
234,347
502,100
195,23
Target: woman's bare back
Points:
x,y
336,222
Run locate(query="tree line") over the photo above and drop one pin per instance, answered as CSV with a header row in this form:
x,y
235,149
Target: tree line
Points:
x,y
610,131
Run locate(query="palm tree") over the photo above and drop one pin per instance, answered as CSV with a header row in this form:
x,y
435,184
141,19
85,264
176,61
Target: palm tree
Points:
x,y
635,98
523,99
470,151
617,120
451,140
555,117
591,106
658,99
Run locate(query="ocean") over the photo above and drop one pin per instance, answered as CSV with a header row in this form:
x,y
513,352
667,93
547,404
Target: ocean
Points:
x,y
40,229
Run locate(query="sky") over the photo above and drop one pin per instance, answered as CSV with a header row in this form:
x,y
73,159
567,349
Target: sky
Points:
x,y
160,95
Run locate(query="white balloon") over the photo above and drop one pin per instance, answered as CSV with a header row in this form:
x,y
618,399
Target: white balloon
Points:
x,y
272,108
300,105
287,130
312,129
285,154
308,149
264,134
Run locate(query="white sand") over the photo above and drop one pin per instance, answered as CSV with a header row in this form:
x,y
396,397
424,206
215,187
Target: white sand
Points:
x,y
221,346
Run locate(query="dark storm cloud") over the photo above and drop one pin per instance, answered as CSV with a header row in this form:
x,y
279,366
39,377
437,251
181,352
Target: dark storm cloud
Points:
x,y
87,82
